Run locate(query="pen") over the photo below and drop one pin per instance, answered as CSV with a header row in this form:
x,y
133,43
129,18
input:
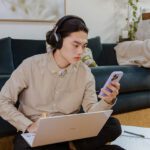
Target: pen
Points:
x,y
140,135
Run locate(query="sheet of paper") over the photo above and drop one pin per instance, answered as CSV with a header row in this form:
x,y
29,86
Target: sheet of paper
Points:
x,y
29,137
131,142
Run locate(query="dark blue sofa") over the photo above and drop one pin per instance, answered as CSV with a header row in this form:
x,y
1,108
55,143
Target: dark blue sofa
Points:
x,y
135,87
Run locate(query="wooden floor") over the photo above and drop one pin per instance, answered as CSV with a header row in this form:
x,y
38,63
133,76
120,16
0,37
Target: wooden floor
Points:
x,y
135,118
6,143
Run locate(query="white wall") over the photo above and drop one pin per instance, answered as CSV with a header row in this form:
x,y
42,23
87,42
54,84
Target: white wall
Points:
x,y
24,30
103,17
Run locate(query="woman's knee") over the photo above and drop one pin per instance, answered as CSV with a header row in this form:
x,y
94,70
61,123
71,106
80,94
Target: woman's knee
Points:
x,y
114,126
111,130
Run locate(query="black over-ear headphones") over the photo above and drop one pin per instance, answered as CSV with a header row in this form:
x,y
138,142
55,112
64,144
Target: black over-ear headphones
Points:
x,y
56,35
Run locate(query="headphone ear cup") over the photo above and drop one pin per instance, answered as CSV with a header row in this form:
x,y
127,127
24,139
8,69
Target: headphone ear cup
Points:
x,y
56,37
59,41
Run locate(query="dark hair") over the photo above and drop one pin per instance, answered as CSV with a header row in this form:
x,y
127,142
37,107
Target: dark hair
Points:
x,y
64,27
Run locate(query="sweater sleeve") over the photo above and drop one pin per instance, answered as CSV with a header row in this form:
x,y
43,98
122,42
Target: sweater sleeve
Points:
x,y
9,96
90,101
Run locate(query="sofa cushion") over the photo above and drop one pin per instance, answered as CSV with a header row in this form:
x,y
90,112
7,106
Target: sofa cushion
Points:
x,y
6,61
95,45
23,48
132,101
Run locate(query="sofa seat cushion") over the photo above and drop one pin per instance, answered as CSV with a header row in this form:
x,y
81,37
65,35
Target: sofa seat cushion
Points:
x,y
134,79
23,48
6,60
127,102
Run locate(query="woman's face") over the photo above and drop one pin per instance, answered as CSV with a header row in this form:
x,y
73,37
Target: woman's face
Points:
x,y
73,46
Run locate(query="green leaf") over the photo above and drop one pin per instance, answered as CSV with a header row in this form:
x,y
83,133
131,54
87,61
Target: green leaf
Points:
x,y
134,14
130,2
135,7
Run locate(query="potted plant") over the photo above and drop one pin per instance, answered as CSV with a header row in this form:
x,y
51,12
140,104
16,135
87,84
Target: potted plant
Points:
x,y
133,18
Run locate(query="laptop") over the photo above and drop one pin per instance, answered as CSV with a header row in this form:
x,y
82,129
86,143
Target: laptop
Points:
x,y
67,128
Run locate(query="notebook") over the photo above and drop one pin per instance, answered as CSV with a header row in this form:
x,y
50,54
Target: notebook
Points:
x,y
134,141
67,128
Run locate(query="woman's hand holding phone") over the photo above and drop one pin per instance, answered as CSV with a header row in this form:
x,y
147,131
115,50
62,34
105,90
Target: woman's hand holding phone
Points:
x,y
111,88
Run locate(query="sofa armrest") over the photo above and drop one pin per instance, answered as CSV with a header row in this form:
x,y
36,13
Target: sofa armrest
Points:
x,y
5,127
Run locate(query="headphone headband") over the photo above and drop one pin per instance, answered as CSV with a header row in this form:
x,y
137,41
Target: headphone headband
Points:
x,y
64,19
55,33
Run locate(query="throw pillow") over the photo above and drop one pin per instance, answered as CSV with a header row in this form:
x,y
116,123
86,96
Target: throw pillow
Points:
x,y
6,60
87,58
95,45
23,48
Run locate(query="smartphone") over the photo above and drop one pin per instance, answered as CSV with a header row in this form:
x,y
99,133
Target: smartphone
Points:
x,y
114,76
